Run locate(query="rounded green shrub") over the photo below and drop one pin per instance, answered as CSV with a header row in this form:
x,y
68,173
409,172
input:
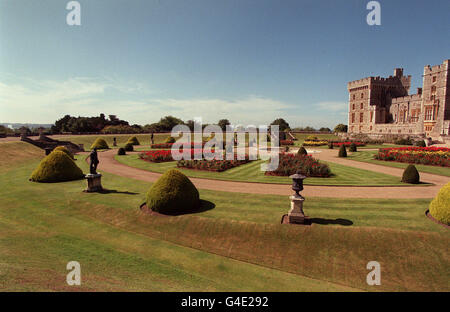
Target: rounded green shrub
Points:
x,y
420,143
133,140
64,150
56,167
129,147
170,140
342,151
352,148
330,145
173,193
302,151
411,175
440,205
121,151
100,143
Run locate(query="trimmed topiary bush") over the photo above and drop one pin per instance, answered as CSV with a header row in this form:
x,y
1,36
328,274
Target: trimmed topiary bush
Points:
x,y
64,150
440,205
100,143
173,193
170,140
330,145
56,167
121,151
129,147
133,140
420,143
302,151
411,175
342,151
352,148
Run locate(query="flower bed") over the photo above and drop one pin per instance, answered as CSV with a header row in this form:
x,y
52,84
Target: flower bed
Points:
x,y
211,165
286,142
304,164
347,144
169,145
435,156
164,155
315,143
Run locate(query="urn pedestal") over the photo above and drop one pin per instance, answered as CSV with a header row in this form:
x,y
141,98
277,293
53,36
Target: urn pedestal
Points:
x,y
296,214
94,183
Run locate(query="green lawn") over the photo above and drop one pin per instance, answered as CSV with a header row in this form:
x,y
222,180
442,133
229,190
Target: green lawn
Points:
x,y
238,245
87,140
302,136
251,172
368,157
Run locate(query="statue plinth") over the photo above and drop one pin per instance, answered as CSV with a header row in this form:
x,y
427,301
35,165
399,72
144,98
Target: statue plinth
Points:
x,y
94,182
296,214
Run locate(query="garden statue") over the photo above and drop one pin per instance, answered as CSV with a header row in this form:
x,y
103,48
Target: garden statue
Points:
x,y
94,161
94,179
151,137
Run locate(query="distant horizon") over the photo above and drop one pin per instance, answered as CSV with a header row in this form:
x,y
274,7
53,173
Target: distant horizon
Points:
x,y
246,61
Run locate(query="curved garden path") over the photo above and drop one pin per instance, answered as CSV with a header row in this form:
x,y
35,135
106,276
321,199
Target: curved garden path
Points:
x,y
109,164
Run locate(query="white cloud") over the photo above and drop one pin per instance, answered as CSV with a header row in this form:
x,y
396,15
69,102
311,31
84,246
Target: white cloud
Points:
x,y
46,101
333,106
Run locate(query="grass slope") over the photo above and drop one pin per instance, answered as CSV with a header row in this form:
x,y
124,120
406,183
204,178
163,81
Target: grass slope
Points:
x,y
120,248
251,172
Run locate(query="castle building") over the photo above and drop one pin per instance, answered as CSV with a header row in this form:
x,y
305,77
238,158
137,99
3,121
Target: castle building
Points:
x,y
380,106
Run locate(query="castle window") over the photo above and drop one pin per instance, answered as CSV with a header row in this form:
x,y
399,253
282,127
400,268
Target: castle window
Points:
x,y
362,105
433,89
354,96
361,117
362,95
353,106
434,78
428,113
353,117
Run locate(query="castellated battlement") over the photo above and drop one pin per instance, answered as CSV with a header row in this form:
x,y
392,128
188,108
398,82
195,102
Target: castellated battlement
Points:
x,y
377,80
436,68
411,98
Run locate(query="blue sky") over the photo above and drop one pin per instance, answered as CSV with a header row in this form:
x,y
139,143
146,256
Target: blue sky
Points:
x,y
250,61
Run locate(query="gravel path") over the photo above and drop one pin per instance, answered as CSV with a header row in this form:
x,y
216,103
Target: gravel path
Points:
x,y
109,164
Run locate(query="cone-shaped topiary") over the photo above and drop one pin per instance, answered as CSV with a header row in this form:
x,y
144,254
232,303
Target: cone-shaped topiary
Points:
x,y
129,147
121,151
411,175
56,167
440,205
133,140
352,148
173,193
342,151
170,140
330,145
64,150
100,143
302,151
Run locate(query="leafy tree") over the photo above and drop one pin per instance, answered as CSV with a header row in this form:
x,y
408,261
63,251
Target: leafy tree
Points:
x,y
168,122
323,129
223,123
282,124
341,128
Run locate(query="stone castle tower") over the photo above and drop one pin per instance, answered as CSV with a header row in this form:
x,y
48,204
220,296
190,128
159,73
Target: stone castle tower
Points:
x,y
379,106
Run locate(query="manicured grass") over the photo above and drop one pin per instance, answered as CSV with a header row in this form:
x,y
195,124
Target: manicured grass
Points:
x,y
251,172
238,245
301,137
368,157
87,140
